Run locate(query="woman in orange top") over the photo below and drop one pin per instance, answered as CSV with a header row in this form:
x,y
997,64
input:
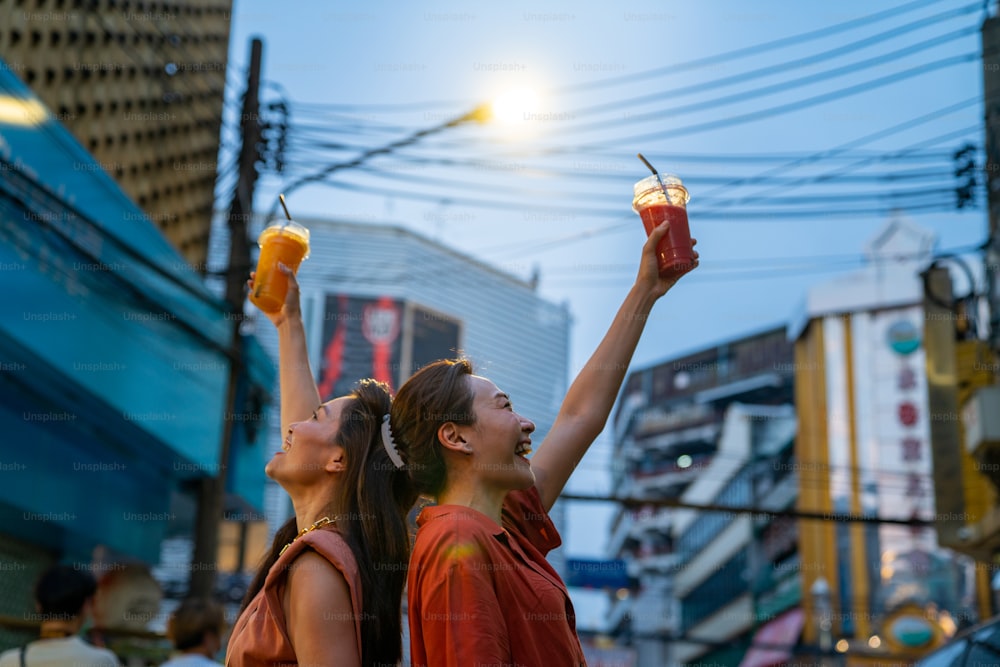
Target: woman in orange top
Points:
x,y
329,591
479,588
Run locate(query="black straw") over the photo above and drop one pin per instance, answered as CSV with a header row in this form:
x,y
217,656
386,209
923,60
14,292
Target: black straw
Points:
x,y
646,162
655,173
288,215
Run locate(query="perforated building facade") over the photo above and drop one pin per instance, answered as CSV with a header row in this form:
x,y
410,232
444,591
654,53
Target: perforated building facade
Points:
x,y
140,85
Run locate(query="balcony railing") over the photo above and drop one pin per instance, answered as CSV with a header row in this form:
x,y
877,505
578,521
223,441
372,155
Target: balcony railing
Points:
x,y
658,521
708,433
657,561
620,532
664,483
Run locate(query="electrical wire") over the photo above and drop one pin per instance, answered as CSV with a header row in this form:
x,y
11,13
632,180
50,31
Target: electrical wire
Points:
x,y
910,195
798,63
841,149
742,98
728,57
828,517
772,111
855,213
535,246
308,152
737,55
832,174
659,115
926,118
709,213
839,261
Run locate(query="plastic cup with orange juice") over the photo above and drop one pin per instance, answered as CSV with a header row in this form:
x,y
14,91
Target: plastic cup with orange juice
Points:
x,y
286,242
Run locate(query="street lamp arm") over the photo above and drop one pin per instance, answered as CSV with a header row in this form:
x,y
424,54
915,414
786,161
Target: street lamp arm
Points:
x,y
479,114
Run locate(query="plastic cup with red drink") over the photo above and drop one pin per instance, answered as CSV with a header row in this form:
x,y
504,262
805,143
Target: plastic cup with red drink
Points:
x,y
663,197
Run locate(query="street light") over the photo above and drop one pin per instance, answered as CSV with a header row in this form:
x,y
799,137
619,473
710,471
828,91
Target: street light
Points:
x,y
481,114
514,106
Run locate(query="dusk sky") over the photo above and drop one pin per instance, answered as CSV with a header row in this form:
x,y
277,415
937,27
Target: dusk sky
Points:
x,y
798,127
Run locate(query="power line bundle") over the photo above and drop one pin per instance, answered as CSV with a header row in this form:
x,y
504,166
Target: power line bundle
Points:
x,y
579,167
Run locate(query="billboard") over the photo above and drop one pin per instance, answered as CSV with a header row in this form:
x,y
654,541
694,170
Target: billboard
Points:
x,y
430,336
361,339
382,338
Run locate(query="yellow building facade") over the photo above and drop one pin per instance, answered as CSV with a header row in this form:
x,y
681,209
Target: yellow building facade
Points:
x,y
879,586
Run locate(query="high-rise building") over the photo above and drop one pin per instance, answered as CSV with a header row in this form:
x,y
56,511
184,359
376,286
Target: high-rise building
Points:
x,y
723,570
140,85
682,432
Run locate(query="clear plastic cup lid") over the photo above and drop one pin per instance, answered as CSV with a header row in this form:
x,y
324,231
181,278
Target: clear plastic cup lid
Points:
x,y
289,226
652,182
649,191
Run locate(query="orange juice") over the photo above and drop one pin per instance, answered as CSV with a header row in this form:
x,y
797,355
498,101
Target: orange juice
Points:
x,y
285,242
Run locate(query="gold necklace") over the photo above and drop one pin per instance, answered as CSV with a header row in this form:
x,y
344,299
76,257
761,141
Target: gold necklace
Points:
x,y
322,522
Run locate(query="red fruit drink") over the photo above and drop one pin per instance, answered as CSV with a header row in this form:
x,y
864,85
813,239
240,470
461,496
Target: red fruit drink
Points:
x,y
655,202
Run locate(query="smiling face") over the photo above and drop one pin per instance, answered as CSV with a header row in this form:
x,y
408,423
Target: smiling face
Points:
x,y
310,451
499,439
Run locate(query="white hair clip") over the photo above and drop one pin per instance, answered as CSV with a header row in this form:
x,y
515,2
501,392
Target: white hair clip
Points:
x,y
390,444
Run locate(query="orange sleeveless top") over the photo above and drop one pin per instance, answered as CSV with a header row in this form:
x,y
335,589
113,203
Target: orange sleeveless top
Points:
x,y
259,637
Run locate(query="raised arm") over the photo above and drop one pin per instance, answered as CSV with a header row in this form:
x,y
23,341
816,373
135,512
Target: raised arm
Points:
x,y
299,395
588,403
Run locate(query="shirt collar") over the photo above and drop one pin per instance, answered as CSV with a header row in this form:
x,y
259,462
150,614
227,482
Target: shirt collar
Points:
x,y
431,512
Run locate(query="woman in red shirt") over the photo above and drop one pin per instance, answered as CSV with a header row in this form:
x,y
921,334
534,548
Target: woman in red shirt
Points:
x,y
329,591
479,589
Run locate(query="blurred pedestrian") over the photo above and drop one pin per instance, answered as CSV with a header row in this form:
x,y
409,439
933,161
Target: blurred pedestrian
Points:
x,y
63,598
329,591
480,591
196,629
127,602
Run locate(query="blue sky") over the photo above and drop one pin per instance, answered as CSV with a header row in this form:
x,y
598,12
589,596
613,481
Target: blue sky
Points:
x,y
858,109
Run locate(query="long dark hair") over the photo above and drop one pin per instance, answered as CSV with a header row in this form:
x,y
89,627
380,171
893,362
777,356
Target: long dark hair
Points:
x,y
375,498
436,394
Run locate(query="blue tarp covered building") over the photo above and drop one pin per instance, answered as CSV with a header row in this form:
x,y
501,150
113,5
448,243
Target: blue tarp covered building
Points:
x,y
114,359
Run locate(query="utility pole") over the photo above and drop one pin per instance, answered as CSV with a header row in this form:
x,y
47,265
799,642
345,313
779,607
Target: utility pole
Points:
x,y
991,99
212,488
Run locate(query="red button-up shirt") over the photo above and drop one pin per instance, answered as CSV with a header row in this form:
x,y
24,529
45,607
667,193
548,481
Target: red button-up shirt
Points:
x,y
484,595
